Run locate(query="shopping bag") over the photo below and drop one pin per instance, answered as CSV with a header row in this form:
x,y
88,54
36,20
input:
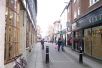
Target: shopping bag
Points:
x,y
56,47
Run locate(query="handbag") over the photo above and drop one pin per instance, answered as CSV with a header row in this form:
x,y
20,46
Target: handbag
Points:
x,y
56,47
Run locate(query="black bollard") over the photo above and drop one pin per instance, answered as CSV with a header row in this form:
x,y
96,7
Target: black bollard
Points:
x,y
47,54
81,55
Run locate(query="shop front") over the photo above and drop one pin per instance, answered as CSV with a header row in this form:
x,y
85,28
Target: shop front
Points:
x,y
88,29
63,34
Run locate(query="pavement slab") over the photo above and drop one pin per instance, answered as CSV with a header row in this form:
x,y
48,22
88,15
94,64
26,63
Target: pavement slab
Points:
x,y
67,59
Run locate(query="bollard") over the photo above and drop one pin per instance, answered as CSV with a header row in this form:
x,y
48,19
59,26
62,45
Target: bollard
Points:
x,y
81,55
47,54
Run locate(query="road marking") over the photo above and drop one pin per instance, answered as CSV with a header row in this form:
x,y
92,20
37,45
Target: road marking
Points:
x,y
51,58
50,66
68,57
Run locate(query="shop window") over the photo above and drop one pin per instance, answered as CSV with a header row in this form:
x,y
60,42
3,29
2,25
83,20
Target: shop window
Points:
x,y
12,3
87,41
97,41
11,30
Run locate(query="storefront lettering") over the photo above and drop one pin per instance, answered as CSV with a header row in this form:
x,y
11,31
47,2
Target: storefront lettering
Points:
x,y
90,21
95,18
100,17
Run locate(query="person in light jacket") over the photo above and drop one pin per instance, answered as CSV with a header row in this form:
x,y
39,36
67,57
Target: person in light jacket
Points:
x,y
62,44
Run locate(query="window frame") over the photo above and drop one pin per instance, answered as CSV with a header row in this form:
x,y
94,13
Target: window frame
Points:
x,y
75,1
79,11
75,14
12,28
92,2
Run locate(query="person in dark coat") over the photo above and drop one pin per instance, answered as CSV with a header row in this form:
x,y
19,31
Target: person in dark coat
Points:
x,y
42,43
59,43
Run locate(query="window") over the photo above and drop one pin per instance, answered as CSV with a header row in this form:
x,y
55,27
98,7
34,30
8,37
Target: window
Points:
x,y
78,11
12,29
93,2
74,1
93,41
87,41
68,10
74,14
97,41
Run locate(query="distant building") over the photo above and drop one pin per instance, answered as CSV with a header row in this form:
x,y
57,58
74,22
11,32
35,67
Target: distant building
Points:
x,y
38,33
50,32
57,29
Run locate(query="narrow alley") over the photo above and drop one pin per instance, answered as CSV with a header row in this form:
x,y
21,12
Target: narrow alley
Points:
x,y
67,59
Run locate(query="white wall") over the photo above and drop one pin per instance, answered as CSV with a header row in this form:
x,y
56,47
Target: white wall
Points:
x,y
23,32
2,31
64,19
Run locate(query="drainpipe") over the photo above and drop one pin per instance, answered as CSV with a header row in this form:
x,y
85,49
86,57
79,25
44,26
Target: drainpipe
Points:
x,y
72,34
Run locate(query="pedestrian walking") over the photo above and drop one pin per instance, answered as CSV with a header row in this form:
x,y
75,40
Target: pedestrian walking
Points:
x,y
59,43
42,43
62,44
71,40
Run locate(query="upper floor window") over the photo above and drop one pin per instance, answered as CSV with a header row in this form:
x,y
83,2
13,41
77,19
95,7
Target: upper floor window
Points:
x,y
93,2
78,11
68,10
74,1
74,14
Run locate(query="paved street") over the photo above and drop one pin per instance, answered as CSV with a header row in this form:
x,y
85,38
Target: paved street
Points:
x,y
67,59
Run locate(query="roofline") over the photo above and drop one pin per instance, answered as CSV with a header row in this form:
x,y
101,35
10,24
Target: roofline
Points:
x,y
66,7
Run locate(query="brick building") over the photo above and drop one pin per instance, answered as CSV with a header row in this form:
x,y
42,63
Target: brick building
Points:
x,y
85,17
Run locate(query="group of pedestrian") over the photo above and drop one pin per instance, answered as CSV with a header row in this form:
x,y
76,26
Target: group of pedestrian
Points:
x,y
61,43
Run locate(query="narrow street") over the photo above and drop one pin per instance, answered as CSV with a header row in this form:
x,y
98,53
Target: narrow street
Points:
x,y
67,59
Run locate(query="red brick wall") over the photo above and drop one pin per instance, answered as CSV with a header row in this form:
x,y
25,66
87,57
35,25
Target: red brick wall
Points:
x,y
85,6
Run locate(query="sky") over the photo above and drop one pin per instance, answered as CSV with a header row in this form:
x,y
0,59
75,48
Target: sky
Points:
x,y
48,12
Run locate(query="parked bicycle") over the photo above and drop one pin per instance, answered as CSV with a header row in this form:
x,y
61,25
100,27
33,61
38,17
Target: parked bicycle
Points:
x,y
21,64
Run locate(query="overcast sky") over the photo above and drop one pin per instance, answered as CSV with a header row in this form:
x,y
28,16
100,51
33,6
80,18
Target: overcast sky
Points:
x,y
48,12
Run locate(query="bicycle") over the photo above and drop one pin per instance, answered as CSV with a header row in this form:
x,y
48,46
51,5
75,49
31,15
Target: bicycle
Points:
x,y
21,64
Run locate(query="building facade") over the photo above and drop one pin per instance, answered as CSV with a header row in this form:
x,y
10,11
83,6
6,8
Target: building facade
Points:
x,y
50,32
38,33
18,29
86,26
57,29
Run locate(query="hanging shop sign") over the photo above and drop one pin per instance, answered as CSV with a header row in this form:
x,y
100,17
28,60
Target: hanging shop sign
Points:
x,y
68,24
64,31
60,32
